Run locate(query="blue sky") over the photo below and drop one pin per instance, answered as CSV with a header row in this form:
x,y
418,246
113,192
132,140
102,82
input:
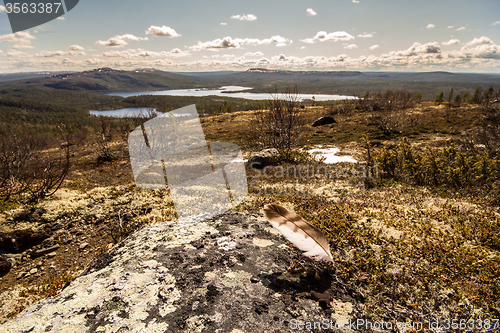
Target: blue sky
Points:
x,y
192,35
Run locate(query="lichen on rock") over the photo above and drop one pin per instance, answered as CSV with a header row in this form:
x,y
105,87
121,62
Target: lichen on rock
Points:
x,y
220,275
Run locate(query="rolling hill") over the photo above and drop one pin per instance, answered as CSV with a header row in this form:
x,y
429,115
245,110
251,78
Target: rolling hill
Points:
x,y
107,80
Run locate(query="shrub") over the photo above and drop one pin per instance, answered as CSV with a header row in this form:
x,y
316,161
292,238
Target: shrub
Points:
x,y
280,126
27,170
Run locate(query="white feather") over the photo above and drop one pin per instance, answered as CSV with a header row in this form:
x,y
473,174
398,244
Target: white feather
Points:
x,y
300,233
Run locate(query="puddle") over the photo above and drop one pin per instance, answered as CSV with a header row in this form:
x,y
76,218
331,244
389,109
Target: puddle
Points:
x,y
330,155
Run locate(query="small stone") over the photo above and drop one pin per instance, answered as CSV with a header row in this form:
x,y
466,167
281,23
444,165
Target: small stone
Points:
x,y
68,240
51,254
33,271
20,275
108,247
12,261
83,245
254,279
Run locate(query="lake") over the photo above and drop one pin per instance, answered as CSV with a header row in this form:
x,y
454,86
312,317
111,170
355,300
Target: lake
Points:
x,y
227,91
122,113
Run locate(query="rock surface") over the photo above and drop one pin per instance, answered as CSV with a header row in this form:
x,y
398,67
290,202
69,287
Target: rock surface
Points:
x,y
264,158
227,274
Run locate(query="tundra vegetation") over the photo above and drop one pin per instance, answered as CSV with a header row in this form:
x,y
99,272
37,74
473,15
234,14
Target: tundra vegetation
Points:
x,y
413,227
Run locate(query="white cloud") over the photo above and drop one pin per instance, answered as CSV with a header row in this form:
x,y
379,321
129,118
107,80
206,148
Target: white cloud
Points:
x,y
461,29
496,23
481,51
418,57
162,31
451,42
480,41
254,54
323,36
22,46
48,54
365,35
355,1
236,43
119,40
351,46
244,17
374,47
17,54
2,9
21,38
223,23
430,26
76,48
450,27
302,47
311,12
142,54
60,18
418,48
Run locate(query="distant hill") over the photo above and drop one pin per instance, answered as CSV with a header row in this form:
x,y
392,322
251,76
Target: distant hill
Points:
x,y
107,80
206,73
24,76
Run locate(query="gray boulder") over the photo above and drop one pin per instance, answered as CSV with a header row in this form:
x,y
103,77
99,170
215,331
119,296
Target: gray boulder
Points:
x,y
264,158
227,274
324,121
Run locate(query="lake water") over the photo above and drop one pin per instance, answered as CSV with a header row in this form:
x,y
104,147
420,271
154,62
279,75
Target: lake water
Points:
x,y
125,112
227,91
132,112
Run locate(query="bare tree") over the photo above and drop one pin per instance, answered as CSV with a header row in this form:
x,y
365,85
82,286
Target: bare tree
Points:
x,y
279,127
25,169
102,140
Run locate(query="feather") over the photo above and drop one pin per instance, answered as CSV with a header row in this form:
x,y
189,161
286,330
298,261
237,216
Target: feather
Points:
x,y
301,233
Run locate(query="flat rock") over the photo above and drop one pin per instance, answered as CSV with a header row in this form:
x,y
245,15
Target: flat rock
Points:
x,y
83,246
213,276
41,252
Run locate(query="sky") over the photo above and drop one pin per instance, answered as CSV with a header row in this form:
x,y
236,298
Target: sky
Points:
x,y
220,35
